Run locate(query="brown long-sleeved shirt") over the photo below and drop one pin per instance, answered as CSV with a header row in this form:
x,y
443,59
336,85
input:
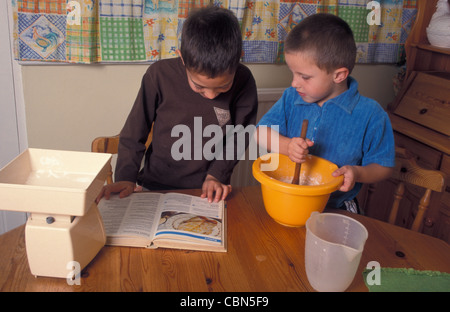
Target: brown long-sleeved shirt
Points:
x,y
166,99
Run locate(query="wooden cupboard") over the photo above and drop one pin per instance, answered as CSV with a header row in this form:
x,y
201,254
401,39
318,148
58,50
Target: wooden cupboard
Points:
x,y
420,116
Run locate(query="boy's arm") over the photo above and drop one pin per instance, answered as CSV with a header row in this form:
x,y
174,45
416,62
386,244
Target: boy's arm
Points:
x,y
371,173
243,111
134,133
216,185
379,154
132,147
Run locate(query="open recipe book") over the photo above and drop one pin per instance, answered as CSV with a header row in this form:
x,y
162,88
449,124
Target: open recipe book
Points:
x,y
171,220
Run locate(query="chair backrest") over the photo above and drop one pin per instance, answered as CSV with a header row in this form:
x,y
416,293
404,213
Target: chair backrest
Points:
x,y
110,144
407,171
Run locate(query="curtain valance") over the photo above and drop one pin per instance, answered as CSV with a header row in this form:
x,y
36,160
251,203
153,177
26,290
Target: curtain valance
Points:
x,y
123,31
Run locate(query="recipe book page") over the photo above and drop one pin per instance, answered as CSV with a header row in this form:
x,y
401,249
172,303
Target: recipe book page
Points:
x,y
142,217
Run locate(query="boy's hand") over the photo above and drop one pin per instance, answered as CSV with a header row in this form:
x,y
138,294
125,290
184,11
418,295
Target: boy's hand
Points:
x,y
371,173
298,149
350,175
211,185
124,188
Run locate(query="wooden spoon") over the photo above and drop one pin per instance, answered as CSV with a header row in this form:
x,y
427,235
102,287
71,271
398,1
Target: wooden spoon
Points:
x,y
298,166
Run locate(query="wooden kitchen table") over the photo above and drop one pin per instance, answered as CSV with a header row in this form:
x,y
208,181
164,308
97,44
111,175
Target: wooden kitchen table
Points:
x,y
262,256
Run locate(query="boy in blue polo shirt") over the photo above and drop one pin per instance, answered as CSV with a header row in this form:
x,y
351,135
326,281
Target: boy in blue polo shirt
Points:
x,y
350,130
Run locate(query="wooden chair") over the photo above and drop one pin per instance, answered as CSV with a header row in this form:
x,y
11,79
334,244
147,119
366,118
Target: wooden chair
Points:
x,y
110,144
408,171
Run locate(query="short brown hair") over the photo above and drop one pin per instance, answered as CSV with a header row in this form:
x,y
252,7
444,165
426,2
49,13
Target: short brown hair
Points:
x,y
211,41
327,37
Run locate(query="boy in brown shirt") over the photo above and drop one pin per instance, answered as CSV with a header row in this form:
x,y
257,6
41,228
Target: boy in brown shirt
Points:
x,y
205,86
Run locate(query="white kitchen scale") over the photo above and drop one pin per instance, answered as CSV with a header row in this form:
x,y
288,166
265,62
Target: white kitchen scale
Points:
x,y
58,190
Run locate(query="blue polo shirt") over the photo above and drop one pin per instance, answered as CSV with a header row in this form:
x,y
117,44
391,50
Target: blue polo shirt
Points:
x,y
349,129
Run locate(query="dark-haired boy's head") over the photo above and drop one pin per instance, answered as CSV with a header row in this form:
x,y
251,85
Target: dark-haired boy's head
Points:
x,y
327,38
211,42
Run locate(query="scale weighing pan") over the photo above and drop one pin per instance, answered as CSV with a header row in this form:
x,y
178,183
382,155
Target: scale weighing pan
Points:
x,y
58,189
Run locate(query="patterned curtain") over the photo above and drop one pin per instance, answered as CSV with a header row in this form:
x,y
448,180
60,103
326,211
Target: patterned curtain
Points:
x,y
123,31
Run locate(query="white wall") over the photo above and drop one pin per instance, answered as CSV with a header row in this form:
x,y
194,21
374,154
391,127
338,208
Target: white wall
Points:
x,y
13,137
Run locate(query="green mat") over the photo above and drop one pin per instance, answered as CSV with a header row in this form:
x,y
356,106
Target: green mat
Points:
x,y
406,280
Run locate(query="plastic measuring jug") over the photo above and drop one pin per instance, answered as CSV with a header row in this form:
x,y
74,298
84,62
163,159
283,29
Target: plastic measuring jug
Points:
x,y
333,249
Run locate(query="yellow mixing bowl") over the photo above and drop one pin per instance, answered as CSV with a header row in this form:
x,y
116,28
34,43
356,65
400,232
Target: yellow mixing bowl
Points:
x,y
290,204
